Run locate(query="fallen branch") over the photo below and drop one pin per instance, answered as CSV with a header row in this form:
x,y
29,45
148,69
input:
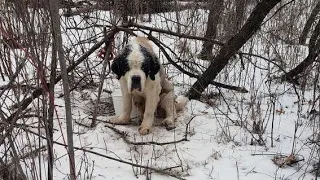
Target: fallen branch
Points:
x,y
124,135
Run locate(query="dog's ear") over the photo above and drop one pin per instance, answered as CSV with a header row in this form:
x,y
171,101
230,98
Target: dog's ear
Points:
x,y
116,67
154,67
120,63
151,64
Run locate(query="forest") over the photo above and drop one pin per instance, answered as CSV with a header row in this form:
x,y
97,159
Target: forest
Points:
x,y
249,68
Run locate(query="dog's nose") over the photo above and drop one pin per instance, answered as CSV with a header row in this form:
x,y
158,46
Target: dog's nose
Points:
x,y
136,79
136,83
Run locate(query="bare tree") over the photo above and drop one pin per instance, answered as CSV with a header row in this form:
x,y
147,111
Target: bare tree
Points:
x,y
308,25
314,46
232,46
216,8
55,17
49,120
240,14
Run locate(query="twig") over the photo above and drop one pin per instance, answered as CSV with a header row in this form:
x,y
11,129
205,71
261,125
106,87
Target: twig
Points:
x,y
278,10
188,125
124,135
180,35
109,48
267,154
36,93
238,176
39,91
33,152
15,158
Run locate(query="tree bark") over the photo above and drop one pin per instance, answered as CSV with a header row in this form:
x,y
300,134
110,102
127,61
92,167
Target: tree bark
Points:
x,y
216,8
310,21
232,46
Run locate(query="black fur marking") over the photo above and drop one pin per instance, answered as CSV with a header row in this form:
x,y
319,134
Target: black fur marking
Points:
x,y
151,64
120,63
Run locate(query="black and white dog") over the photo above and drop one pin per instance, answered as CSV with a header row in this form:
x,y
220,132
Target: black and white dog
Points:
x,y
143,82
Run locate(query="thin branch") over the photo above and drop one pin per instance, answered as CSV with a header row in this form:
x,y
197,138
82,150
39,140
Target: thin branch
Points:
x,y
39,91
217,84
124,135
180,35
278,10
107,58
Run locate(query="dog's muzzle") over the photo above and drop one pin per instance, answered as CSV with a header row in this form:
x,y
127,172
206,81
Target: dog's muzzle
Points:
x,y
136,83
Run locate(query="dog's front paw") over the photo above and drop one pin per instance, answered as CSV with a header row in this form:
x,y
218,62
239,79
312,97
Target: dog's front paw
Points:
x,y
144,130
121,120
169,123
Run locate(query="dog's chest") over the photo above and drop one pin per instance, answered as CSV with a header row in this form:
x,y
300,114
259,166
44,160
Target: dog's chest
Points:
x,y
138,93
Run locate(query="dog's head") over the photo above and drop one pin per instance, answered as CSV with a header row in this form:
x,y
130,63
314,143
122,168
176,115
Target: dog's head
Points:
x,y
136,63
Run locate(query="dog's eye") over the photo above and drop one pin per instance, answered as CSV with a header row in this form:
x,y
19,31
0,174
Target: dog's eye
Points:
x,y
145,68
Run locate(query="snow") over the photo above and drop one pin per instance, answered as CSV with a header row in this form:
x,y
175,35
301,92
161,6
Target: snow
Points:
x,y
217,147
208,153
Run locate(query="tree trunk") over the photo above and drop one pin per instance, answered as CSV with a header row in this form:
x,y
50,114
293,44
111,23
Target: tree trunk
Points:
x,y
310,21
314,48
232,46
49,120
55,20
216,8
240,14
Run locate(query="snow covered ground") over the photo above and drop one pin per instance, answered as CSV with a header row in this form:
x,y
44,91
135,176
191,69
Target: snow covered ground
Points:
x,y
211,147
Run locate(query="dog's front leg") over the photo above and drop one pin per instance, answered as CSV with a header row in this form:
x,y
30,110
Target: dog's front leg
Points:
x,y
168,105
124,118
152,100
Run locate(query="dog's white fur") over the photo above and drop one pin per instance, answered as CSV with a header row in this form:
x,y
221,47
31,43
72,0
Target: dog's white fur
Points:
x,y
157,93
